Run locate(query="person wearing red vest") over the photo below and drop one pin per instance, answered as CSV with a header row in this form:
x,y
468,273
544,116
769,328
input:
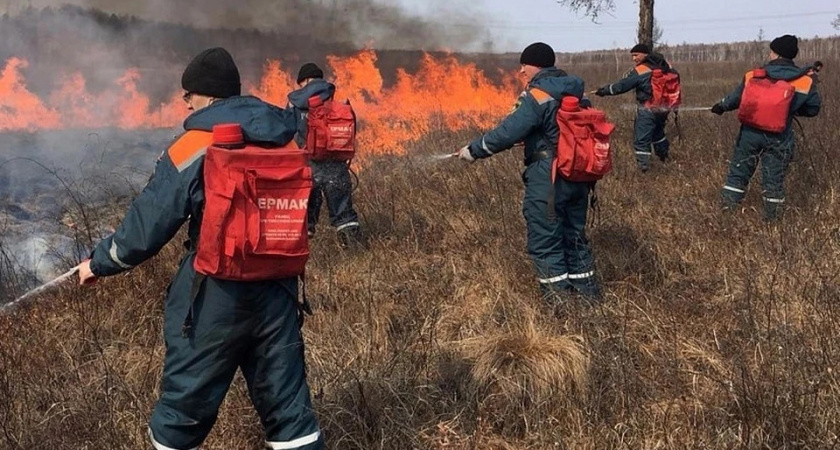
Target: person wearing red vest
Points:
x,y
649,128
755,143
554,208
212,326
331,179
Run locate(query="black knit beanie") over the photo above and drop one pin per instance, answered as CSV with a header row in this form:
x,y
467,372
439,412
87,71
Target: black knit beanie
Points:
x,y
786,46
212,73
537,54
640,48
309,70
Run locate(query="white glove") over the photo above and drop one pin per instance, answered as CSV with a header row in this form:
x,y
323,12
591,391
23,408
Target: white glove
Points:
x,y
464,153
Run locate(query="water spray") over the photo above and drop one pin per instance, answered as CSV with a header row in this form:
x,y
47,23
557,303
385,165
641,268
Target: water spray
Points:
x,y
694,108
681,108
44,287
442,156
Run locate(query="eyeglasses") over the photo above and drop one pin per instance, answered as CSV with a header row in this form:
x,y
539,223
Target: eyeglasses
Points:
x,y
187,96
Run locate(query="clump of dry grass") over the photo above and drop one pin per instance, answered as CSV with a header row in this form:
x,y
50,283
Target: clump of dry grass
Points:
x,y
526,376
529,364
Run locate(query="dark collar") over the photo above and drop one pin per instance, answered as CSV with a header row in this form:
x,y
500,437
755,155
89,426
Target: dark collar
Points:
x,y
781,62
548,72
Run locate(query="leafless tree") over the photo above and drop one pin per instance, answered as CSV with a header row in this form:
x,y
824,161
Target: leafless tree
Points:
x,y
657,34
590,8
646,23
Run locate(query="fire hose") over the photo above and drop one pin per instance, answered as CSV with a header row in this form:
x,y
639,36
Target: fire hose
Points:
x,y
42,288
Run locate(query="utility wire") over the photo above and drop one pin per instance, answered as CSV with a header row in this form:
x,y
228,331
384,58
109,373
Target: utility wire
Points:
x,y
508,23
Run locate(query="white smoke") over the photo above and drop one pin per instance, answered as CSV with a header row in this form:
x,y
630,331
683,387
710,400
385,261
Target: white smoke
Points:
x,y
386,25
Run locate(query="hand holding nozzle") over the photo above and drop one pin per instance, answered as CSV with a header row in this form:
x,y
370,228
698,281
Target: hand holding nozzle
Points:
x,y
464,153
601,91
86,276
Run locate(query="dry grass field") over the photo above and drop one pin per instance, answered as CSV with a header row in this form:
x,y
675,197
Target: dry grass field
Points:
x,y
718,330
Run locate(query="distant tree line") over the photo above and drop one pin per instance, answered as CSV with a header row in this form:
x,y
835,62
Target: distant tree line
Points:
x,y
751,51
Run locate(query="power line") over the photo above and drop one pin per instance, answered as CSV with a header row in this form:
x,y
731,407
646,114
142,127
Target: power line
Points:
x,y
621,23
610,30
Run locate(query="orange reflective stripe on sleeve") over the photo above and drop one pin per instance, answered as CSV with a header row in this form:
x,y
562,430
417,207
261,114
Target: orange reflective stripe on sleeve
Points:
x,y
802,84
189,147
540,96
748,76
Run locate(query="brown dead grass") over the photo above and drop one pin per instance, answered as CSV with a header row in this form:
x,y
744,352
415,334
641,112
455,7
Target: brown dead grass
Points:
x,y
718,331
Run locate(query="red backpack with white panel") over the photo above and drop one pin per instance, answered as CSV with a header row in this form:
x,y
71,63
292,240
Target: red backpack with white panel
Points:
x,y
330,130
583,144
254,221
666,89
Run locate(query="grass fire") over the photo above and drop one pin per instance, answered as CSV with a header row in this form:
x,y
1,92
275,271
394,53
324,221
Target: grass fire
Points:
x,y
714,326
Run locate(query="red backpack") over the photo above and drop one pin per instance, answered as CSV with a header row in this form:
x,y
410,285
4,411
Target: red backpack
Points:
x,y
583,144
765,102
331,130
667,93
254,222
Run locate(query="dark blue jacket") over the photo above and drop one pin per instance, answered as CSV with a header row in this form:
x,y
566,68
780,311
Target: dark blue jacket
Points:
x,y
806,101
638,78
299,102
175,192
533,119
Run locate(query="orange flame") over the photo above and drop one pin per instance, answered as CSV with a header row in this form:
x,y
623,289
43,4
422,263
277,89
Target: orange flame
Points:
x,y
275,84
442,94
19,108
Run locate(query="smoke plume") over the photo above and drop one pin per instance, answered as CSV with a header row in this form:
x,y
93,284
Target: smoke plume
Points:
x,y
354,22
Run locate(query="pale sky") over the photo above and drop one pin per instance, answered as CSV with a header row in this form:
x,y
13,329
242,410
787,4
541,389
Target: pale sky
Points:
x,y
513,24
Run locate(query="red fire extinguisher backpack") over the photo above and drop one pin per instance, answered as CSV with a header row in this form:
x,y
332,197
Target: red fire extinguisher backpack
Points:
x,y
583,145
331,130
667,92
765,102
254,221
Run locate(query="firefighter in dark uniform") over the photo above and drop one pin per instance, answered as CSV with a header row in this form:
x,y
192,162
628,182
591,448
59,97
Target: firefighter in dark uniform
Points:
x,y
555,213
331,179
214,327
774,150
649,129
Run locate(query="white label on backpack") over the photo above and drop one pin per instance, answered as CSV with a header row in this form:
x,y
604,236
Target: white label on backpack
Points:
x,y
282,203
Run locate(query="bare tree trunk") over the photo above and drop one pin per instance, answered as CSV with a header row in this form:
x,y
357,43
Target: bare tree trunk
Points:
x,y
646,23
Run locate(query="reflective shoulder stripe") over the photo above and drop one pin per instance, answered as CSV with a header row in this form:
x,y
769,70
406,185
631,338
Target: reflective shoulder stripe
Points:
x,y
802,84
540,96
189,147
296,443
748,76
642,69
